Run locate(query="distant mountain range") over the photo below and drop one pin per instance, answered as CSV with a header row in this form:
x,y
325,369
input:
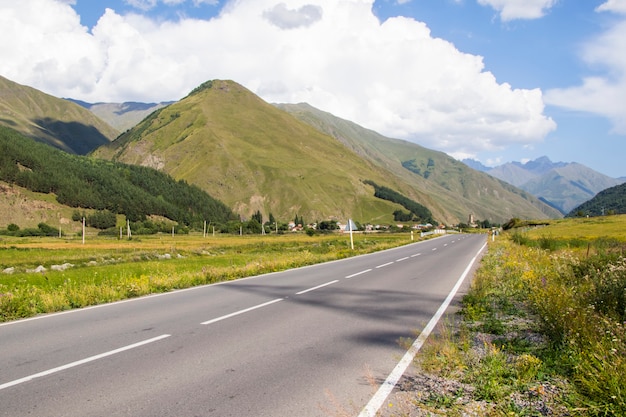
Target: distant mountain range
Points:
x,y
121,116
609,201
562,185
284,160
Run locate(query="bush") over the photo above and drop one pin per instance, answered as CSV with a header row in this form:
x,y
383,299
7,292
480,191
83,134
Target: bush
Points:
x,y
102,219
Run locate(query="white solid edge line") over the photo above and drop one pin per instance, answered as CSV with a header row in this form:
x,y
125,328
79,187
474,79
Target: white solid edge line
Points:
x,y
236,313
316,288
385,389
81,362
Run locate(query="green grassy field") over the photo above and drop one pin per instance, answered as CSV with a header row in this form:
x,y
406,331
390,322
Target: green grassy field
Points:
x,y
577,232
107,269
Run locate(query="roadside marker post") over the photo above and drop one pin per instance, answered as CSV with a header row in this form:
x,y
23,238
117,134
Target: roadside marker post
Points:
x,y
351,226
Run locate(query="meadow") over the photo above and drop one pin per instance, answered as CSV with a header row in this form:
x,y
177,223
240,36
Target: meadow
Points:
x,y
541,330
43,275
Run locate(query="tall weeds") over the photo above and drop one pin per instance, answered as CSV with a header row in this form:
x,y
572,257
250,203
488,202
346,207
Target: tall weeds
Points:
x,y
581,306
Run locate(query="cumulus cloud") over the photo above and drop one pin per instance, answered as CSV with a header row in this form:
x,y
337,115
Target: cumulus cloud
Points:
x,y
286,18
391,76
601,95
142,4
519,9
151,4
616,6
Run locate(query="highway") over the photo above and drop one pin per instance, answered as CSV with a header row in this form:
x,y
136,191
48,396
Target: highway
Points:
x,y
312,341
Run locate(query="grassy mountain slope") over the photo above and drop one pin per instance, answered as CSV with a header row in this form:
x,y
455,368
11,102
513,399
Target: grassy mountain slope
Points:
x,y
79,181
253,156
26,208
452,184
51,120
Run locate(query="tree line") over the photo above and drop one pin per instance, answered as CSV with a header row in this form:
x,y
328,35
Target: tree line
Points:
x,y
606,202
89,183
417,212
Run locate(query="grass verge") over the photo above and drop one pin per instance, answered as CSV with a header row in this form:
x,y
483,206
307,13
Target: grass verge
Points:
x,y
541,332
74,275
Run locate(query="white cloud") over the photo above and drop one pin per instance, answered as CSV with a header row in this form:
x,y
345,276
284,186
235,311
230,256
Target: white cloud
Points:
x,y
601,94
142,4
616,6
151,4
286,18
519,9
393,77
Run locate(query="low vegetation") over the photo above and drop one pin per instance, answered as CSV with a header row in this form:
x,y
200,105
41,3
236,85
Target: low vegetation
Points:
x,y
541,330
42,275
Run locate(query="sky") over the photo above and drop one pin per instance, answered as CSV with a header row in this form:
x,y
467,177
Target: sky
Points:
x,y
492,80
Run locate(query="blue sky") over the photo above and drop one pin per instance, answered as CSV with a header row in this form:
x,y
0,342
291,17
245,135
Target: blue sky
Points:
x,y
493,80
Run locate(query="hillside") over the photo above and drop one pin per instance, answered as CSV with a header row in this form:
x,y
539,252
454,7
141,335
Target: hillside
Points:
x,y
82,182
609,201
461,190
26,208
57,122
255,157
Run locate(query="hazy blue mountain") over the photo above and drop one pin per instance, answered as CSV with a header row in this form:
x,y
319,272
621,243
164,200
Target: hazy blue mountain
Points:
x,y
477,165
563,185
121,116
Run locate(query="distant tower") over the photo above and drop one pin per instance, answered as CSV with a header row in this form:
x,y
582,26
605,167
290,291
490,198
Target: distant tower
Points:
x,y
471,219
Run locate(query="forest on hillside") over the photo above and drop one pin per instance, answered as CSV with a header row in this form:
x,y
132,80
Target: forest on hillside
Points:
x,y
609,201
89,183
417,212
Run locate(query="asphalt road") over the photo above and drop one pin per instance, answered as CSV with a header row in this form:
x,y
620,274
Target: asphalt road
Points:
x,y
314,341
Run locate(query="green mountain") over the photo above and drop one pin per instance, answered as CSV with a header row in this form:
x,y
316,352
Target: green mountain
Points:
x,y
88,183
57,122
450,183
609,201
256,157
